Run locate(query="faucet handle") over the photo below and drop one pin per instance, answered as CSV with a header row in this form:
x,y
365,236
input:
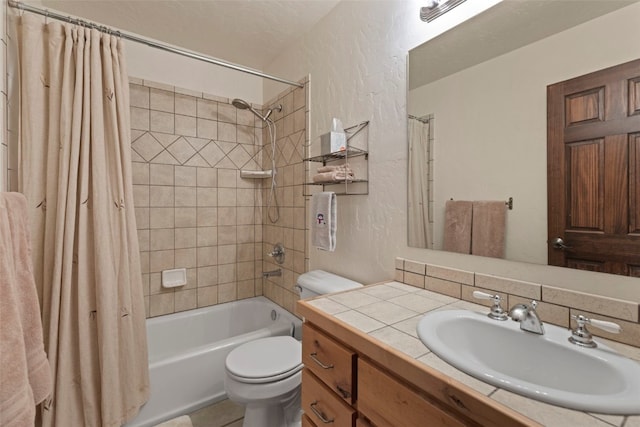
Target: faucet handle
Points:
x,y
482,295
277,253
582,337
497,312
612,327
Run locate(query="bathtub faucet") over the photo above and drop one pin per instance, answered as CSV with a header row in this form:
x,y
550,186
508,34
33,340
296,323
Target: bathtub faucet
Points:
x,y
272,273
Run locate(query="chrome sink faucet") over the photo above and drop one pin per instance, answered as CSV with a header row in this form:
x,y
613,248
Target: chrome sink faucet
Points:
x,y
528,317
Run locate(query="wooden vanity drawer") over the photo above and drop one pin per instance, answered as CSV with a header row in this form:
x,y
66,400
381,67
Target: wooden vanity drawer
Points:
x,y
386,402
323,406
306,421
329,361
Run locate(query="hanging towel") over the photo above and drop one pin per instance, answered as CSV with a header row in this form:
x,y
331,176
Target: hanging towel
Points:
x,y
25,375
323,225
457,226
489,228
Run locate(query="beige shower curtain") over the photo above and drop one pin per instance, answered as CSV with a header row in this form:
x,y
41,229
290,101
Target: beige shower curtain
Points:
x,y
418,182
75,170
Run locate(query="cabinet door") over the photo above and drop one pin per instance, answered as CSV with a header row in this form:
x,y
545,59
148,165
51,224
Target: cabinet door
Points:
x,y
329,361
387,402
323,406
362,422
306,422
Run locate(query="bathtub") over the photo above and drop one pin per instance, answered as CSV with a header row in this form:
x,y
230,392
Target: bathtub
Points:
x,y
187,352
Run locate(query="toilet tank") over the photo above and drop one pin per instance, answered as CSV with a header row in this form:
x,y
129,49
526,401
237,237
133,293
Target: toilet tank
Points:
x,y
319,282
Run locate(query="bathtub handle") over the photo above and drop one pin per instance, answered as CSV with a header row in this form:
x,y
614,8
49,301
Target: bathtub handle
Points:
x,y
319,362
319,413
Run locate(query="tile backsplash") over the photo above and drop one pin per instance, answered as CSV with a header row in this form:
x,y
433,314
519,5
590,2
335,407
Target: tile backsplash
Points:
x,y
194,211
556,306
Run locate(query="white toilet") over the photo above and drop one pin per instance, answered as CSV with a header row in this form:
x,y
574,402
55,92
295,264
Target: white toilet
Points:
x,y
265,374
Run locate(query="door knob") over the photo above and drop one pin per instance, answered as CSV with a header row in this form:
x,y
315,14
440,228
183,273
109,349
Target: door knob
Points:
x,y
558,243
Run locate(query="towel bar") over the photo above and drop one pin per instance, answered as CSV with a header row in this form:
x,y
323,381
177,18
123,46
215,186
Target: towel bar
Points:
x,y
508,203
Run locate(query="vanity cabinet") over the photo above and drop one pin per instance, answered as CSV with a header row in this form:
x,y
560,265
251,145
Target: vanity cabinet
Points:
x,y
330,361
322,405
328,379
350,379
385,401
332,374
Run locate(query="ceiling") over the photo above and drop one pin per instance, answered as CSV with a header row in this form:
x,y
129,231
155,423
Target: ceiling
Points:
x,y
246,32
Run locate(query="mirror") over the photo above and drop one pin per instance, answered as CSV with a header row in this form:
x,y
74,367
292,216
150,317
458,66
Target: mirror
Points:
x,y
484,83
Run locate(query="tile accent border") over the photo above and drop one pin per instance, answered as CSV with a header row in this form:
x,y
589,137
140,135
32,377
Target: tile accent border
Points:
x,y
556,304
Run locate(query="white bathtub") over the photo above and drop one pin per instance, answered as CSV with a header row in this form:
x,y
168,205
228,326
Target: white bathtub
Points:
x,y
187,351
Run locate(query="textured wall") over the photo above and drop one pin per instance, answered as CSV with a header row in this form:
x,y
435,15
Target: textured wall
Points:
x,y
159,66
356,60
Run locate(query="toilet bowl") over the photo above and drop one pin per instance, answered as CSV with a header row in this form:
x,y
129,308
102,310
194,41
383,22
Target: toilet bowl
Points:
x,y
265,375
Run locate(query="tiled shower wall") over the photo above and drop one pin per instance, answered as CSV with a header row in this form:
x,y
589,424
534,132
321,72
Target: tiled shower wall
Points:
x,y
290,229
193,209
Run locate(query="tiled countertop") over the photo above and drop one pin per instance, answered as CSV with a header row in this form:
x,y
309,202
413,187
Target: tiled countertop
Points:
x,y
389,313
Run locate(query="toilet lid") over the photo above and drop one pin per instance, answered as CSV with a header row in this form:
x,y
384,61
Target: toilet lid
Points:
x,y
265,359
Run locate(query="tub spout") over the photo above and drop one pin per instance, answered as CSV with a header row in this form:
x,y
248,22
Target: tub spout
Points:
x,y
272,273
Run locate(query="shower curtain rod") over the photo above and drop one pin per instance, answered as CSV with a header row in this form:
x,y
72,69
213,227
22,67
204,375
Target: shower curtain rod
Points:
x,y
211,60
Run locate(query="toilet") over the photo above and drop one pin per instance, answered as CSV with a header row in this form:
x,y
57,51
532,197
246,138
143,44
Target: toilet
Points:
x,y
265,375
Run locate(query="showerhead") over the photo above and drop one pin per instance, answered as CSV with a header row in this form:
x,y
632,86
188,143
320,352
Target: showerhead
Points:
x,y
241,104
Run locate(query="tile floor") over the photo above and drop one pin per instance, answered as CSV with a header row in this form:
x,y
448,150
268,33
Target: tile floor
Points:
x,y
221,414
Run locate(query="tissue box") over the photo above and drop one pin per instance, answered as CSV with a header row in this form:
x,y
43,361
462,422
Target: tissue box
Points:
x,y
333,142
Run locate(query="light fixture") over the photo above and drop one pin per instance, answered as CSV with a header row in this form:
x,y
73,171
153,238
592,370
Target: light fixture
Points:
x,y
432,4
435,8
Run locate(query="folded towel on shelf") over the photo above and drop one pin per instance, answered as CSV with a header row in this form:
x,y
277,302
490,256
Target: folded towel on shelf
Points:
x,y
336,176
489,228
24,368
335,168
323,224
457,226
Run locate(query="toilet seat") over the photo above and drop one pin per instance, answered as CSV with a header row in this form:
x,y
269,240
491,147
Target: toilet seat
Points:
x,y
265,360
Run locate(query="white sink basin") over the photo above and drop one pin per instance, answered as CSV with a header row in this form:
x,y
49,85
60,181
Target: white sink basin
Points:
x,y
543,367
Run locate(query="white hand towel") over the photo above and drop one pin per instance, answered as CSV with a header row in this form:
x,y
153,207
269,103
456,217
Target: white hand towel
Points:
x,y
323,228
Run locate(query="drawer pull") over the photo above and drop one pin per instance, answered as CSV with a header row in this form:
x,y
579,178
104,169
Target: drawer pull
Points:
x,y
319,413
345,393
322,365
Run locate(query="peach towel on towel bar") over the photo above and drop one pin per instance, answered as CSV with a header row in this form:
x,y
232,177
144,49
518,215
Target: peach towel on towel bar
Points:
x,y
457,226
488,228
